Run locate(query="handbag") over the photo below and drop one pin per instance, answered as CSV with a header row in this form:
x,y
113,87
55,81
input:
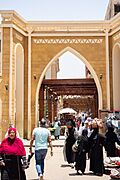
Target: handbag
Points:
x,y
75,147
2,163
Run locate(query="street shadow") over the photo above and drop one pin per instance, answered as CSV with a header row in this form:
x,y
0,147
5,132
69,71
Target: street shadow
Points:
x,y
75,174
90,174
65,165
80,174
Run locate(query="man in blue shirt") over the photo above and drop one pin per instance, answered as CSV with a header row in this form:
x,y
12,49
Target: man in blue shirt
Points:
x,y
42,137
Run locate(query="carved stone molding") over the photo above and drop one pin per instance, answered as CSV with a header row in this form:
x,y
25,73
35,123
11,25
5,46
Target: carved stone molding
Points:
x,y
116,37
68,27
11,17
30,29
20,38
62,40
7,17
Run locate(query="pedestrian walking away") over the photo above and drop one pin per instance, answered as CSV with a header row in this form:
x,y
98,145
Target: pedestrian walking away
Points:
x,y
80,158
42,138
70,140
57,127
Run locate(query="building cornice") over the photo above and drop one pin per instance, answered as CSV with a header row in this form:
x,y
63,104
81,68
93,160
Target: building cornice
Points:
x,y
72,34
69,26
40,28
12,17
114,22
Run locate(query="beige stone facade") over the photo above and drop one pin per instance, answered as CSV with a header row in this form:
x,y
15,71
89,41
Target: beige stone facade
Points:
x,y
28,50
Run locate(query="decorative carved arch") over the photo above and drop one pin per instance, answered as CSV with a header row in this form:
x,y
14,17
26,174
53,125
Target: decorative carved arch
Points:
x,y
84,61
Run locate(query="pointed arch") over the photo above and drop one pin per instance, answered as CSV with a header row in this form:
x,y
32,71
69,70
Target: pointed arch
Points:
x,y
73,51
116,75
19,88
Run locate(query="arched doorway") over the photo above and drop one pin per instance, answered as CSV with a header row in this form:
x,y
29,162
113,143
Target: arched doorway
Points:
x,y
19,88
87,64
116,77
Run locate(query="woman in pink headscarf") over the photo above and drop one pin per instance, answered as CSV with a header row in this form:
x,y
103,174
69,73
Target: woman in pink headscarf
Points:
x,y
13,156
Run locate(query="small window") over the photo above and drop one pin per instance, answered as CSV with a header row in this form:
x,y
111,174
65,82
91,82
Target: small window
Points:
x,y
116,8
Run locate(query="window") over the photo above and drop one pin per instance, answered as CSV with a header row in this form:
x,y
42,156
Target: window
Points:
x,y
116,8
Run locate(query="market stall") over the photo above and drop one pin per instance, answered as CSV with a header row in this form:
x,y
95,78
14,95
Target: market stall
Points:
x,y
112,167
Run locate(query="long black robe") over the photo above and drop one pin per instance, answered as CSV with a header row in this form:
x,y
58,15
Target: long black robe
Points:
x,y
80,157
12,169
111,139
96,142
70,140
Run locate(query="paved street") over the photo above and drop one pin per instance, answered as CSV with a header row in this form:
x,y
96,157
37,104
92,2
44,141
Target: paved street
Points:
x,y
57,169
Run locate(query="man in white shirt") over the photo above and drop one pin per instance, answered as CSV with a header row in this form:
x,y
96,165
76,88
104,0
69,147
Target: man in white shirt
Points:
x,y
42,137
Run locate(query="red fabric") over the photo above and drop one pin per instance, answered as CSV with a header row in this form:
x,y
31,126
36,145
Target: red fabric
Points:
x,y
11,129
118,163
12,146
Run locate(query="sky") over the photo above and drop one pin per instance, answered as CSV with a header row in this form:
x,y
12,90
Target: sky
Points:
x,y
62,10
71,67
57,10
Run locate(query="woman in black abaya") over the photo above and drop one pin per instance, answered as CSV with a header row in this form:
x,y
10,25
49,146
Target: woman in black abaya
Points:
x,y
96,143
70,140
111,139
82,149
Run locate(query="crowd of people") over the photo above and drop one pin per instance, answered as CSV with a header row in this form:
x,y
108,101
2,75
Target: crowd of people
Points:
x,y
89,142
84,140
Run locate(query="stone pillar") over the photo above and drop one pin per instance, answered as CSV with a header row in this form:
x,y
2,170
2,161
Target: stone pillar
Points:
x,y
55,106
29,83
96,105
41,102
5,81
10,78
107,69
50,107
